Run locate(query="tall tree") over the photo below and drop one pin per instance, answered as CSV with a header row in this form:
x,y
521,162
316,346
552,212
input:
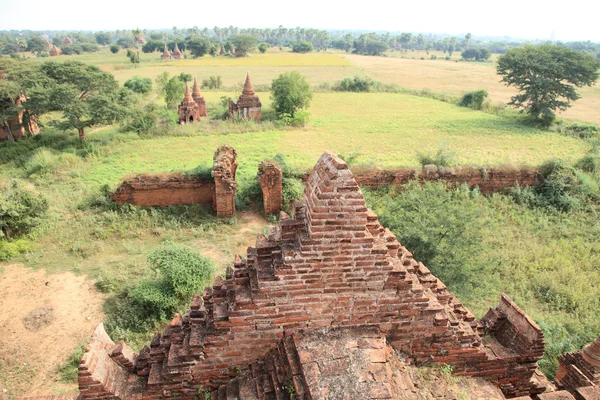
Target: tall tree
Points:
x,y
243,43
546,77
290,92
86,95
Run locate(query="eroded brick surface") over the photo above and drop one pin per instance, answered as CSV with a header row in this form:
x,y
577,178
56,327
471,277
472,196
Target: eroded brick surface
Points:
x,y
333,270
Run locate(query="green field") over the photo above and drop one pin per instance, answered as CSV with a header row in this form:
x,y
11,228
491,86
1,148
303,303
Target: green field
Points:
x,y
547,260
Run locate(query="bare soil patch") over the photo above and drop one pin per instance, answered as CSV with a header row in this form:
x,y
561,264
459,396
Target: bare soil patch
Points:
x,y
42,319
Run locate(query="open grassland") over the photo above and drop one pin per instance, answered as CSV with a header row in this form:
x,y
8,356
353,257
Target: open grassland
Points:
x,y
457,78
383,129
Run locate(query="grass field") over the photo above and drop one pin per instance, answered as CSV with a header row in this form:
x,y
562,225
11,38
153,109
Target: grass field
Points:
x,y
458,78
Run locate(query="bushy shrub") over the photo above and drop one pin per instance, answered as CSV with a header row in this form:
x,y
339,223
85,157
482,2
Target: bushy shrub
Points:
x,y
213,82
11,249
442,158
41,162
300,118
138,84
474,99
356,84
114,49
302,47
263,47
183,270
43,54
21,210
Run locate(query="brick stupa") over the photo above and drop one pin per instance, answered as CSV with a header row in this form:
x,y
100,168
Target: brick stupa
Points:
x,y
188,110
166,54
317,308
67,41
177,54
248,105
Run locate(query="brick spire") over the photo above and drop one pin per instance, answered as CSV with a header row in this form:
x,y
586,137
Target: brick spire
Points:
x,y
176,50
591,352
188,97
248,88
166,52
196,89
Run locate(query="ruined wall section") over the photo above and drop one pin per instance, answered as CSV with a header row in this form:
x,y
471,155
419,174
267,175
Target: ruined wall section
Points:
x,y
270,180
332,265
580,369
165,190
224,175
492,180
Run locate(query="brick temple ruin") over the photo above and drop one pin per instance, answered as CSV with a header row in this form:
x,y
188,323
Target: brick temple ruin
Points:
x,y
193,106
248,105
329,305
18,127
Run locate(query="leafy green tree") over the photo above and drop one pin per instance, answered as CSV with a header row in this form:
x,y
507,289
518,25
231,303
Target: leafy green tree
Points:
x,y
243,44
185,77
86,95
114,49
546,77
36,43
290,93
152,45
174,91
161,82
12,86
103,38
302,47
138,84
134,56
21,210
263,47
198,45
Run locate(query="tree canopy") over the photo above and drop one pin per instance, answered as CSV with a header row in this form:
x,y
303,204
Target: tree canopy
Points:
x,y
290,92
243,44
198,45
546,77
85,95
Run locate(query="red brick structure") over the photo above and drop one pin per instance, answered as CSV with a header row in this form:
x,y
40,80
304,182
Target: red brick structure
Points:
x,y
176,189
166,54
193,106
177,54
248,105
224,175
316,307
199,99
270,180
579,372
222,50
55,51
17,127
67,41
140,40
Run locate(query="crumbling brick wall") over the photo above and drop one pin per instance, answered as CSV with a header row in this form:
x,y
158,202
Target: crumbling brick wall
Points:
x,y
332,265
165,190
270,180
176,189
224,175
578,369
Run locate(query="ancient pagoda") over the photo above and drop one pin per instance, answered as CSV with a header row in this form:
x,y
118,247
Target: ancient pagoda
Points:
x,y
248,105
67,41
177,54
189,110
166,54
198,98
55,51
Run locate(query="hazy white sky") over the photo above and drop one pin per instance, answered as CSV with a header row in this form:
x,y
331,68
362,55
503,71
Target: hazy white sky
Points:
x,y
541,19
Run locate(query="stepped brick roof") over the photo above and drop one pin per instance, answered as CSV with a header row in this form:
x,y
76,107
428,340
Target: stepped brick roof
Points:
x,y
331,274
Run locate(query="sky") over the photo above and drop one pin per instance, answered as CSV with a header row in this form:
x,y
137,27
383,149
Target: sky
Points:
x,y
526,19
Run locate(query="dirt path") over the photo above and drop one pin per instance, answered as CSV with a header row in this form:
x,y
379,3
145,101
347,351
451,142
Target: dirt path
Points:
x,y
60,310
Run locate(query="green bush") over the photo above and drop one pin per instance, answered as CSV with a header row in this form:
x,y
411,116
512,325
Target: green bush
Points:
x,y
11,249
292,189
21,210
213,82
183,270
302,47
138,84
474,99
68,371
263,47
356,84
114,49
299,118
442,158
41,162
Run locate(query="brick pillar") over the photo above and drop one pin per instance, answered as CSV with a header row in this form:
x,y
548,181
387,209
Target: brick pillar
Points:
x,y
270,180
224,175
578,369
